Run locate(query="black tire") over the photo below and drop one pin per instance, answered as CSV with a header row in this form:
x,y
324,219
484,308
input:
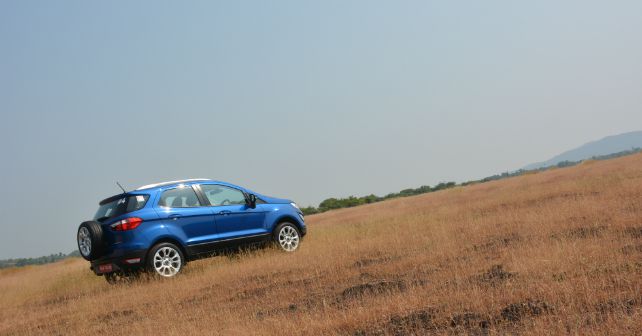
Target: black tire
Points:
x,y
154,265
292,229
121,277
95,238
112,278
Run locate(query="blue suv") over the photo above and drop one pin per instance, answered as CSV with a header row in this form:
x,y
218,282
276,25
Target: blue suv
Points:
x,y
160,227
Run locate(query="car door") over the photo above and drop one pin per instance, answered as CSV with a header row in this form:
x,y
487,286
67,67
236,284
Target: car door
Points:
x,y
184,212
233,217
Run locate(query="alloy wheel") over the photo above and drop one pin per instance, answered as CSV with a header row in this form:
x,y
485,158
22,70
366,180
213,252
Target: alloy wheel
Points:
x,y
167,261
289,238
84,241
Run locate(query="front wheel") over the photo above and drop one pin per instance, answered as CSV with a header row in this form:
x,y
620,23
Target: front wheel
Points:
x,y
165,259
287,237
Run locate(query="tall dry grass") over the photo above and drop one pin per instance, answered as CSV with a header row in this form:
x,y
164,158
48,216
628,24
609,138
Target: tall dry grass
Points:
x,y
558,252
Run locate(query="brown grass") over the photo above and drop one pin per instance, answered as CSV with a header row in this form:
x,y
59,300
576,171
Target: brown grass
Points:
x,y
551,253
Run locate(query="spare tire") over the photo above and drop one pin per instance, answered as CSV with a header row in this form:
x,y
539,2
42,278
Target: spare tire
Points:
x,y
90,240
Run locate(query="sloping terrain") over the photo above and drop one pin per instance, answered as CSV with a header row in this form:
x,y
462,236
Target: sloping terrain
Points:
x,y
550,253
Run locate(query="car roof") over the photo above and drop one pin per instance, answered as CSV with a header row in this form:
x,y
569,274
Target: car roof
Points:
x,y
185,181
140,190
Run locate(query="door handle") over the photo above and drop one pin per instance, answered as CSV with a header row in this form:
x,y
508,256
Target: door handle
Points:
x,y
174,216
225,212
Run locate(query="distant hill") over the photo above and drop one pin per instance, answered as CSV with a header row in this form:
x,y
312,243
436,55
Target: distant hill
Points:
x,y
608,145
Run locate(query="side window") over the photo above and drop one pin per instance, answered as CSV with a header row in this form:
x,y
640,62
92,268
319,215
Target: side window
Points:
x,y
136,202
222,195
181,197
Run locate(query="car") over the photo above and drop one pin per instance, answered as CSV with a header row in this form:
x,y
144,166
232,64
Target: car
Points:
x,y
158,228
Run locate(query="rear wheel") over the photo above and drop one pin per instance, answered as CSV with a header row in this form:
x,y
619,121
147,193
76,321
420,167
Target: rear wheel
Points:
x,y
121,277
165,260
287,237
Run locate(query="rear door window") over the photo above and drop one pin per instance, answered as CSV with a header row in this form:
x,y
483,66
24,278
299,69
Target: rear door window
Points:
x,y
181,197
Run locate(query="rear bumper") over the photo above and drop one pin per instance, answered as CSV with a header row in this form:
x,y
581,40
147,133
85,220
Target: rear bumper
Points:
x,y
122,263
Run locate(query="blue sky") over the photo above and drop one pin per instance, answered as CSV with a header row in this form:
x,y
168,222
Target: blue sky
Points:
x,y
305,100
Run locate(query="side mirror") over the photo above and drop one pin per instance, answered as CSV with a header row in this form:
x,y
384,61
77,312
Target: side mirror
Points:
x,y
251,201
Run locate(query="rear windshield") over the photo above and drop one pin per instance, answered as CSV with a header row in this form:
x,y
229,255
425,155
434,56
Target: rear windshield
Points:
x,y
120,206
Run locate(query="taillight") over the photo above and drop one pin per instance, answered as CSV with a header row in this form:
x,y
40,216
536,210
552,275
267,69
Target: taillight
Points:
x,y
126,224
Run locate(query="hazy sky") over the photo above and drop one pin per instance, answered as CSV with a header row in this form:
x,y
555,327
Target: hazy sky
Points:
x,y
303,100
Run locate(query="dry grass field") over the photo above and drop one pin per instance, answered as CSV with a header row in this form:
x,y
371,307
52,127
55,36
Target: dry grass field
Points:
x,y
559,252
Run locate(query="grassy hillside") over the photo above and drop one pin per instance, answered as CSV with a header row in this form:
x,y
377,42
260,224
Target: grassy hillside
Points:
x,y
549,253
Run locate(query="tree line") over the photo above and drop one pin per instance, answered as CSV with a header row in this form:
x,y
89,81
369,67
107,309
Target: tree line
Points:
x,y
352,201
17,262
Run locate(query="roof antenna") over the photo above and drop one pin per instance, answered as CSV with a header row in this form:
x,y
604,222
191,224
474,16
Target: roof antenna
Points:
x,y
121,187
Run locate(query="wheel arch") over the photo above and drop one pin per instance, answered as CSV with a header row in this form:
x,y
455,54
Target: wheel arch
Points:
x,y
289,219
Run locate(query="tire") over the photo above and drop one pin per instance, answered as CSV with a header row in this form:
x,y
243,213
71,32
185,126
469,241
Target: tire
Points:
x,y
120,277
165,260
287,237
90,240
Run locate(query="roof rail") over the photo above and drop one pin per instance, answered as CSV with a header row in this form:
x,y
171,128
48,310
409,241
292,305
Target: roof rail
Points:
x,y
154,185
